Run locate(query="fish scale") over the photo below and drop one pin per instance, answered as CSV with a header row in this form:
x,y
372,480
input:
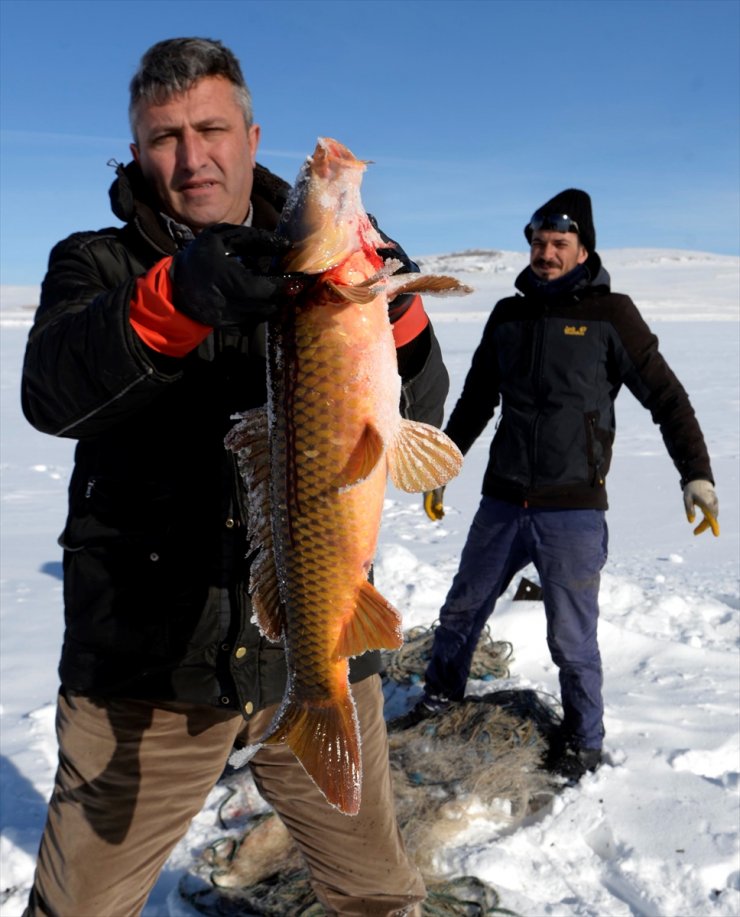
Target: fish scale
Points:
x,y
316,461
316,565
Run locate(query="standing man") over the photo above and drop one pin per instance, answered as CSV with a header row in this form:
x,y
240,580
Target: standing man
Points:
x,y
147,341
555,358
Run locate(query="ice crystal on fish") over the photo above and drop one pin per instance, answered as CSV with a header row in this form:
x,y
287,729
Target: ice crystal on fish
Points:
x,y
316,461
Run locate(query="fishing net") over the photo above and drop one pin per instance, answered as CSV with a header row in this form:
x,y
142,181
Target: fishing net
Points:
x,y
289,894
480,761
406,665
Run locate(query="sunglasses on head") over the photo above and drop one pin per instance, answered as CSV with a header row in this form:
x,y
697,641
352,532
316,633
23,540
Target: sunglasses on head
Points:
x,y
558,222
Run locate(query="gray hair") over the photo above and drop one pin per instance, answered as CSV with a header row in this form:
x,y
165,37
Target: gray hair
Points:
x,y
172,66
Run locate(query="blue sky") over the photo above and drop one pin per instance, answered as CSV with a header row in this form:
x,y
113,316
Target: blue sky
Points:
x,y
474,113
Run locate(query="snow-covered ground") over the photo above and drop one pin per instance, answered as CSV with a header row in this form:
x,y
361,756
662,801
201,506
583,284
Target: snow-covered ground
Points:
x,y
653,833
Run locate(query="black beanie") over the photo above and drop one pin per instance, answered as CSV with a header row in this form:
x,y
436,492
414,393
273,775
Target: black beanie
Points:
x,y
577,205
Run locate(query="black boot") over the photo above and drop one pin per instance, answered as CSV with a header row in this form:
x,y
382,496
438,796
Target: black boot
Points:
x,y
572,762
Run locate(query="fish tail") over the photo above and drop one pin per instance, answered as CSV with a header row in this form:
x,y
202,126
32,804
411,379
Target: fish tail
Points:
x,y
324,736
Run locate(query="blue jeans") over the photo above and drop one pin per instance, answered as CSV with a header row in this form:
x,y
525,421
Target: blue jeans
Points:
x,y
568,549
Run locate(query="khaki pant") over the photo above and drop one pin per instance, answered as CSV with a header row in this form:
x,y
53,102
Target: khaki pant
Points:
x,y
132,775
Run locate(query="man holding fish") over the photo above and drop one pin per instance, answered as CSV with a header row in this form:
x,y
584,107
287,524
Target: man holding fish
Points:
x,y
149,340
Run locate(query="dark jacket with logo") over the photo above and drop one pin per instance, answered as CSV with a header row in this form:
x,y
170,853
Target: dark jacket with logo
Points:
x,y
155,550
555,359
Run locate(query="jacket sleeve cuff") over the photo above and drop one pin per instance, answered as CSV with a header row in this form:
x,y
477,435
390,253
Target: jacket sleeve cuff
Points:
x,y
410,323
156,321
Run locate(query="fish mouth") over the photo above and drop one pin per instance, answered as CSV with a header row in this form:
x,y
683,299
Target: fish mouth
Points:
x,y
331,156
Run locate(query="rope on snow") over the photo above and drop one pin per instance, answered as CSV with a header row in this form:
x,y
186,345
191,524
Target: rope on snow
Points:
x,y
407,665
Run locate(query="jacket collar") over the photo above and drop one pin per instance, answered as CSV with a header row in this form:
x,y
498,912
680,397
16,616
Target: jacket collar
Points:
x,y
590,276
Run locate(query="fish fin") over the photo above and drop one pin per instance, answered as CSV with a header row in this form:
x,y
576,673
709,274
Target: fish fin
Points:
x,y
268,612
421,457
248,440
435,284
374,625
365,456
325,737
360,293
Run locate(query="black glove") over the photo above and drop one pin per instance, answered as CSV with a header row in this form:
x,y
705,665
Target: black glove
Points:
x,y
226,278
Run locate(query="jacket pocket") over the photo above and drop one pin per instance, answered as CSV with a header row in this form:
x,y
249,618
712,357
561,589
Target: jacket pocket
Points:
x,y
595,449
132,581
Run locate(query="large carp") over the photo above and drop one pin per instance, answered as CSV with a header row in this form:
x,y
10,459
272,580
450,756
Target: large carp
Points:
x,y
315,462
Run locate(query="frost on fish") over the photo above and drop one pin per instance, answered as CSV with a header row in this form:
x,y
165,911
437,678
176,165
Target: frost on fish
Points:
x,y
316,462
249,440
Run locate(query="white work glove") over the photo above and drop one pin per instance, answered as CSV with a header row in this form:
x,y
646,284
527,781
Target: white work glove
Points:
x,y
701,494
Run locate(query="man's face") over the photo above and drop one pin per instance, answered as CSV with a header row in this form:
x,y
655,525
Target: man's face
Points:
x,y
198,153
553,254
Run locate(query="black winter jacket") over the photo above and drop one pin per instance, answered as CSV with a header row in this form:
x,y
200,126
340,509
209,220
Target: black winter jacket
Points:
x,y
556,363
155,553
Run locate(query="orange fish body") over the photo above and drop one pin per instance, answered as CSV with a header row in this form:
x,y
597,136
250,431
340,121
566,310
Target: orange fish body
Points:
x,y
316,464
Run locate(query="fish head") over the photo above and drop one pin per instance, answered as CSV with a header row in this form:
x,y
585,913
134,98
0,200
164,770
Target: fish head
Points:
x,y
324,218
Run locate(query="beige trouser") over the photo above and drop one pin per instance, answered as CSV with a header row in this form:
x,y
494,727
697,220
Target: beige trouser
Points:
x,y
132,775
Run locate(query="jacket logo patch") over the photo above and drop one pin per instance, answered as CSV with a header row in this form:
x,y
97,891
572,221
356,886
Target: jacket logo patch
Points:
x,y
579,332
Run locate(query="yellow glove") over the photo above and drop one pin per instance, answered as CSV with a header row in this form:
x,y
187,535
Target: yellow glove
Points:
x,y
434,503
701,494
